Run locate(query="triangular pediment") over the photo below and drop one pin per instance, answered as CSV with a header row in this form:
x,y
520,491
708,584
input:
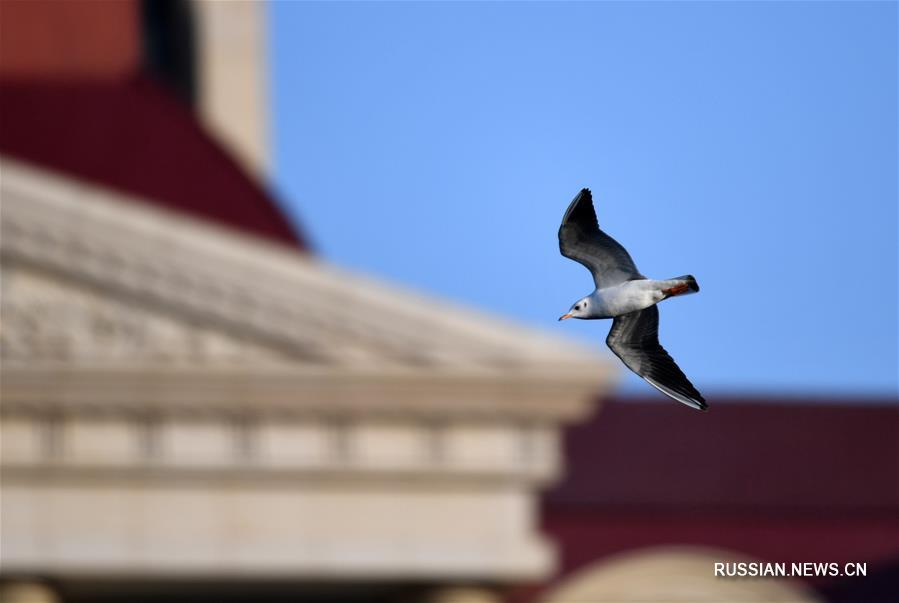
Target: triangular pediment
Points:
x,y
91,278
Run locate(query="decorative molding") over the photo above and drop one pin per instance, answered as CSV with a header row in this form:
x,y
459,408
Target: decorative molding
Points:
x,y
146,446
289,393
46,319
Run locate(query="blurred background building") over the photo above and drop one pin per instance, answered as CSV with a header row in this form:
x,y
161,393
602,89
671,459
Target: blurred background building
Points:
x,y
196,407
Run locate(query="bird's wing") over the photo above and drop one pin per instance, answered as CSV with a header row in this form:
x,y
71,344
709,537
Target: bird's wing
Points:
x,y
581,240
634,337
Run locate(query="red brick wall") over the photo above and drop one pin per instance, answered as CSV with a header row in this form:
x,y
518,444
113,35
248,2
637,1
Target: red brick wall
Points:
x,y
63,39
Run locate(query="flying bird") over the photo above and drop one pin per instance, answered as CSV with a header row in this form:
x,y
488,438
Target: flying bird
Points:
x,y
627,297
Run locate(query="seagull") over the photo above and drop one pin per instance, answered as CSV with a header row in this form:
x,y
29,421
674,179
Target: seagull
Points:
x,y
627,297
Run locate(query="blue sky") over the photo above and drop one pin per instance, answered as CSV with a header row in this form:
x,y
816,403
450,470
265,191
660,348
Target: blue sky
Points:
x,y
753,145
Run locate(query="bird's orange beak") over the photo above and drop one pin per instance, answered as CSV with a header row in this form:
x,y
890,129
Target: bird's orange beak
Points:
x,y
564,316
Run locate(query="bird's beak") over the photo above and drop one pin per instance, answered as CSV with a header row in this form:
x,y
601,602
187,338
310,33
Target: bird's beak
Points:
x,y
564,316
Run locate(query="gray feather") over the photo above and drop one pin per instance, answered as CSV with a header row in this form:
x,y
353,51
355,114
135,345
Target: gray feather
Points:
x,y
634,338
581,240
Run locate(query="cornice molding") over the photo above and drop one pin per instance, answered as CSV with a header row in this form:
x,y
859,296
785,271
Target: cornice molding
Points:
x,y
302,392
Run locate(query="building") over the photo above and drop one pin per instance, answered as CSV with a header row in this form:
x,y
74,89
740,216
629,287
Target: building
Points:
x,y
182,402
194,405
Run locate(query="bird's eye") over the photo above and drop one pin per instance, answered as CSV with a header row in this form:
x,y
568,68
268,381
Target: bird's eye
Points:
x,y
578,307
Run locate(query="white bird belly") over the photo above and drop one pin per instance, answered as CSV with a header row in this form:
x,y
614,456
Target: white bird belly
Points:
x,y
628,297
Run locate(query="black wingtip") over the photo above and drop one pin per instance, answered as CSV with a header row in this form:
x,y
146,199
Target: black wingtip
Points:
x,y
582,213
699,400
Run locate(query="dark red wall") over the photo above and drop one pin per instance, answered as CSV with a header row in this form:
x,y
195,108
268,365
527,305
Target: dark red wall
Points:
x,y
780,480
69,39
134,136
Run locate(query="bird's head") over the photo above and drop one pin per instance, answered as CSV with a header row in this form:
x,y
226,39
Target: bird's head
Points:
x,y
580,309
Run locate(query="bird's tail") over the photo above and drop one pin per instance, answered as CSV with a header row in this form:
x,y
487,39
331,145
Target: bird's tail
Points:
x,y
680,285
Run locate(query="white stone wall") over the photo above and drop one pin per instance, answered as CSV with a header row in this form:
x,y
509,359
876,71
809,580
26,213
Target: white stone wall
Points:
x,y
299,497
